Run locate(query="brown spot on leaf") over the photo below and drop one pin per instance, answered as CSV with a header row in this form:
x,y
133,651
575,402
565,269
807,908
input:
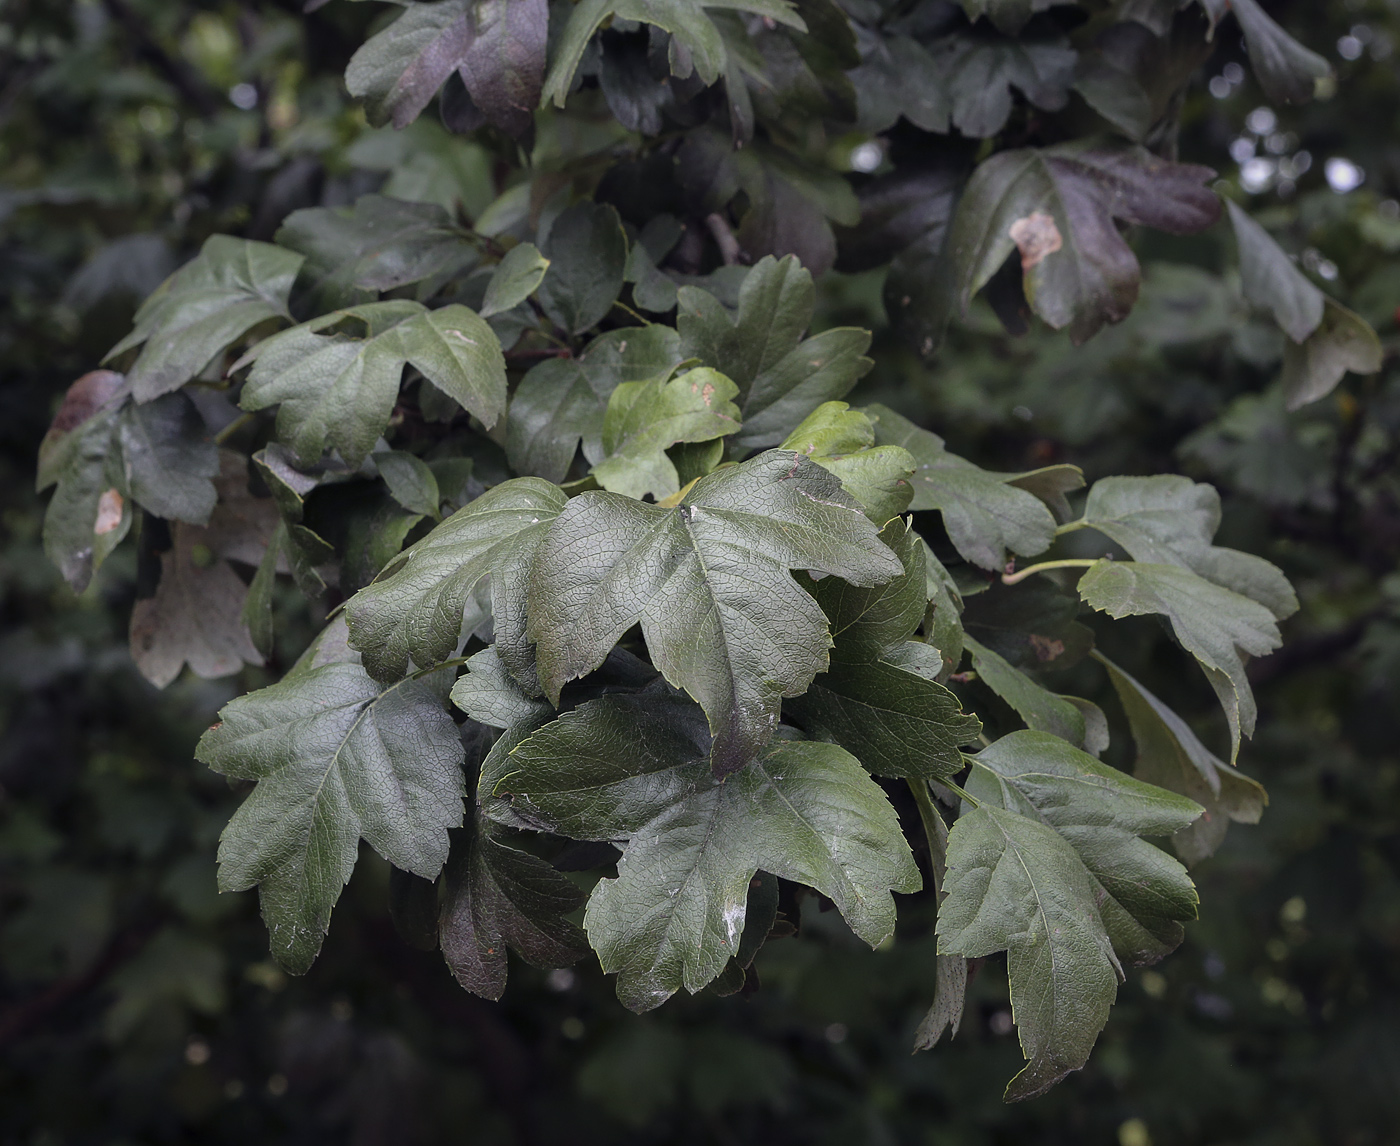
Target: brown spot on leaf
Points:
x,y
1047,648
1036,236
109,512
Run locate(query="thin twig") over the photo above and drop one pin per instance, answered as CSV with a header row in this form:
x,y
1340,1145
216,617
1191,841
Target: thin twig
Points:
x,y
728,244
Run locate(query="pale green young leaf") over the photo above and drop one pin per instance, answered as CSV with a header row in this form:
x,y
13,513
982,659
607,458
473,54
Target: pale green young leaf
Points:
x,y
842,441
563,400
338,389
413,611
635,768
645,419
232,286
708,581
781,377
1220,628
337,758
984,513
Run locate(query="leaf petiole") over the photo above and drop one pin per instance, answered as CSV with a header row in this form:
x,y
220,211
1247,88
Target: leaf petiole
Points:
x,y
1045,566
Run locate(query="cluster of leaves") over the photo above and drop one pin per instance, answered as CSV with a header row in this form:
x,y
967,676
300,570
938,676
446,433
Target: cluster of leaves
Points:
x,y
634,666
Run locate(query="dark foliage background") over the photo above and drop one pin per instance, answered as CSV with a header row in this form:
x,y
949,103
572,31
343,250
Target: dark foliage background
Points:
x,y
137,1006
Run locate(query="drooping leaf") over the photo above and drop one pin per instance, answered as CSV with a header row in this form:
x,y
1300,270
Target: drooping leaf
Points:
x,y
256,614
195,617
985,513
1170,520
563,400
1220,628
1049,867
1271,281
842,441
1287,71
708,581
645,419
1040,708
377,245
499,896
1343,341
696,43
587,252
413,611
950,971
1058,206
337,758
516,278
169,458
1171,756
636,768
232,286
781,377
497,47
338,389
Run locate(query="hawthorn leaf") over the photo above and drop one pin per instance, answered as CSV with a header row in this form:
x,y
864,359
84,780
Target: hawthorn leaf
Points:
x,y
869,622
984,513
1343,341
490,695
635,768
498,897
196,615
1040,708
842,441
1171,756
1287,71
1048,866
587,252
378,244
1168,519
781,378
337,758
1058,207
563,400
231,286
169,458
897,722
516,278
1009,16
1016,885
256,613
943,617
411,482
1143,895
1032,625
980,72
497,47
1220,628
897,77
1272,281
708,581
696,43
338,389
412,613
645,419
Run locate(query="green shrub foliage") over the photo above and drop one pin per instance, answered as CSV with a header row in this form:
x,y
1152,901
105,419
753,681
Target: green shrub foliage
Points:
x,y
608,559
